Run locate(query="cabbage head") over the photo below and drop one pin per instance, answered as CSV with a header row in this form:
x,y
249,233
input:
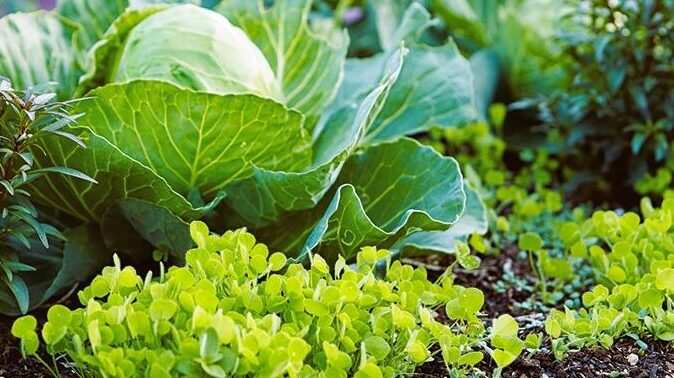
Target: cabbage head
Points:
x,y
195,48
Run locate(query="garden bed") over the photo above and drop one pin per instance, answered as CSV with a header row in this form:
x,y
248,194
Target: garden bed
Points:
x,y
624,359
271,161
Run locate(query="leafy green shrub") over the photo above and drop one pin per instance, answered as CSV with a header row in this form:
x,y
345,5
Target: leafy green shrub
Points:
x,y
29,119
631,257
235,309
299,144
617,111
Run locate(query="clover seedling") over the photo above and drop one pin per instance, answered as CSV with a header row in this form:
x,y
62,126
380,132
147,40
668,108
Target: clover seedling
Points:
x,y
504,339
235,309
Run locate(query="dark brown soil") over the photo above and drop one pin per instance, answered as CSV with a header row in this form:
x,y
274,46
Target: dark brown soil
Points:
x,y
655,362
624,359
491,271
12,365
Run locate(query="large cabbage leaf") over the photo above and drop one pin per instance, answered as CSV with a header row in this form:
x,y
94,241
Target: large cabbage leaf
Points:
x,y
473,220
307,67
154,141
435,88
93,16
118,177
197,140
103,54
265,197
387,192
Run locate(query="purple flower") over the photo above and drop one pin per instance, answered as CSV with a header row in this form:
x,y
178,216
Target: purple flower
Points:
x,y
46,4
352,15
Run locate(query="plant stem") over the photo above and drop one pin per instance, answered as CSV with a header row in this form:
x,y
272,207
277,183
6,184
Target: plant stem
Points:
x,y
46,365
8,166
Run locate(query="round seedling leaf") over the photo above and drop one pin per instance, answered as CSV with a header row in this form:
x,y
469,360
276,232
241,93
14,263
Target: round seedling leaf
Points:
x,y
59,315
199,233
470,262
377,347
665,280
162,309
277,261
530,242
471,358
503,358
505,326
23,326
651,298
472,300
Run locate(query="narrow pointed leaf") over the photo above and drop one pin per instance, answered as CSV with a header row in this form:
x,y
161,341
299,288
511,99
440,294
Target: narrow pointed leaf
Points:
x,y
20,291
65,171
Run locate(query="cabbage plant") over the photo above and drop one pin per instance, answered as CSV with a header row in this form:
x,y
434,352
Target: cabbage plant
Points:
x,y
513,42
248,115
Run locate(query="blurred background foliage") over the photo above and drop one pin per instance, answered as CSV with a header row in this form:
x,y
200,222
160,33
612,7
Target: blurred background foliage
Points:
x,y
8,6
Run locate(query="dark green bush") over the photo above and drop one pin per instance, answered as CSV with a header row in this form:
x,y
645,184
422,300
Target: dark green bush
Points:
x,y
617,115
27,118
